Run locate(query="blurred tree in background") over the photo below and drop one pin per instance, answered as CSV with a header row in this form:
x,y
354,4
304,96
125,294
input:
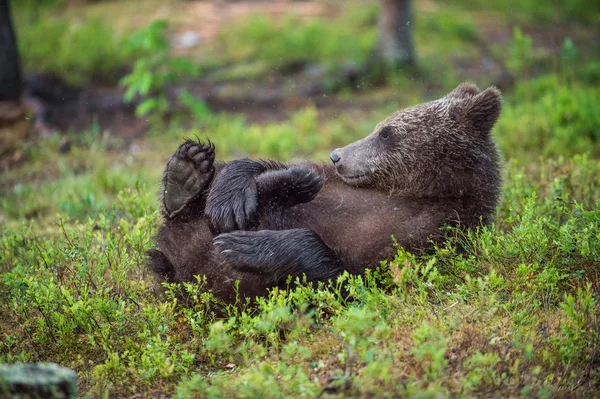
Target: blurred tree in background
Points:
x,y
395,32
10,71
13,125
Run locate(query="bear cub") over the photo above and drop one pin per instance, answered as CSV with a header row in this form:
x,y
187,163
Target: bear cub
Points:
x,y
260,221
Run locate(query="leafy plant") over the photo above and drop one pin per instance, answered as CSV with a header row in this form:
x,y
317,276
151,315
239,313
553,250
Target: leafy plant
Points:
x,y
550,118
521,53
430,347
154,72
568,58
293,41
581,331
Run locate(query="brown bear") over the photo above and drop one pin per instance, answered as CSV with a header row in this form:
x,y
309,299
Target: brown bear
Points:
x,y
260,221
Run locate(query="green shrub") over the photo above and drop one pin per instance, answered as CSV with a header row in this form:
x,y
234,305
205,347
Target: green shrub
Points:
x,y
550,118
581,329
538,11
89,297
155,71
292,41
78,51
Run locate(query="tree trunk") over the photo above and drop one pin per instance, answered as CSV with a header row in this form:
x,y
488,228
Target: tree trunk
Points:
x,y
10,68
395,32
14,127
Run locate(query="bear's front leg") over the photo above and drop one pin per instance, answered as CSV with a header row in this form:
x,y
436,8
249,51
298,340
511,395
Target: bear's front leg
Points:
x,y
244,186
288,187
280,253
232,201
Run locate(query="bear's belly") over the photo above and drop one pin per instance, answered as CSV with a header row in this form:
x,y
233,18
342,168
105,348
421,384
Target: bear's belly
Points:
x,y
362,226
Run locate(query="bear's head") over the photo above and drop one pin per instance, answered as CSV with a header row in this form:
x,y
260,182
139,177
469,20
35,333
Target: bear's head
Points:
x,y
437,149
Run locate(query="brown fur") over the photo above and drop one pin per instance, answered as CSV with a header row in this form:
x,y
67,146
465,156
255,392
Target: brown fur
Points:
x,y
260,221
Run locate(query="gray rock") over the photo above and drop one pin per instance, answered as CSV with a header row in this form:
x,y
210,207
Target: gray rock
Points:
x,y
41,380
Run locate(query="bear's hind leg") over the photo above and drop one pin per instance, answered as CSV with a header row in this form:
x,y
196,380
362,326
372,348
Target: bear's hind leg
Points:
x,y
276,254
186,178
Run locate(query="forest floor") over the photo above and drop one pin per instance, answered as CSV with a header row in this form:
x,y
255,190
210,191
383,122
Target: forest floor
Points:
x,y
515,315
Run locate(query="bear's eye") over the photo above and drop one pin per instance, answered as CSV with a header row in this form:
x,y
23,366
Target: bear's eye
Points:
x,y
386,133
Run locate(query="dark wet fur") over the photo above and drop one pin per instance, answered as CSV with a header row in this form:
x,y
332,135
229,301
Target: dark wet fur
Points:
x,y
261,221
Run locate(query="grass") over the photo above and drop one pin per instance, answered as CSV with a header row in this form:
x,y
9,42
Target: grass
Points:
x,y
579,11
559,119
351,39
54,44
512,312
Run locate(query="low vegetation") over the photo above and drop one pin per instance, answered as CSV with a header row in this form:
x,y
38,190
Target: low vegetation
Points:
x,y
510,308
70,49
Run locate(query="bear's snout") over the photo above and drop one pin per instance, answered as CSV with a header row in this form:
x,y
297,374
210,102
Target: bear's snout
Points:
x,y
335,158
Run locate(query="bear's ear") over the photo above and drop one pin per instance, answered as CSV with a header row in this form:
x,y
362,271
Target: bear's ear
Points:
x,y
481,111
464,90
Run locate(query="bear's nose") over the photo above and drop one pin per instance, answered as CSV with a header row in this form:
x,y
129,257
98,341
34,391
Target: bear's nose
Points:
x,y
335,158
